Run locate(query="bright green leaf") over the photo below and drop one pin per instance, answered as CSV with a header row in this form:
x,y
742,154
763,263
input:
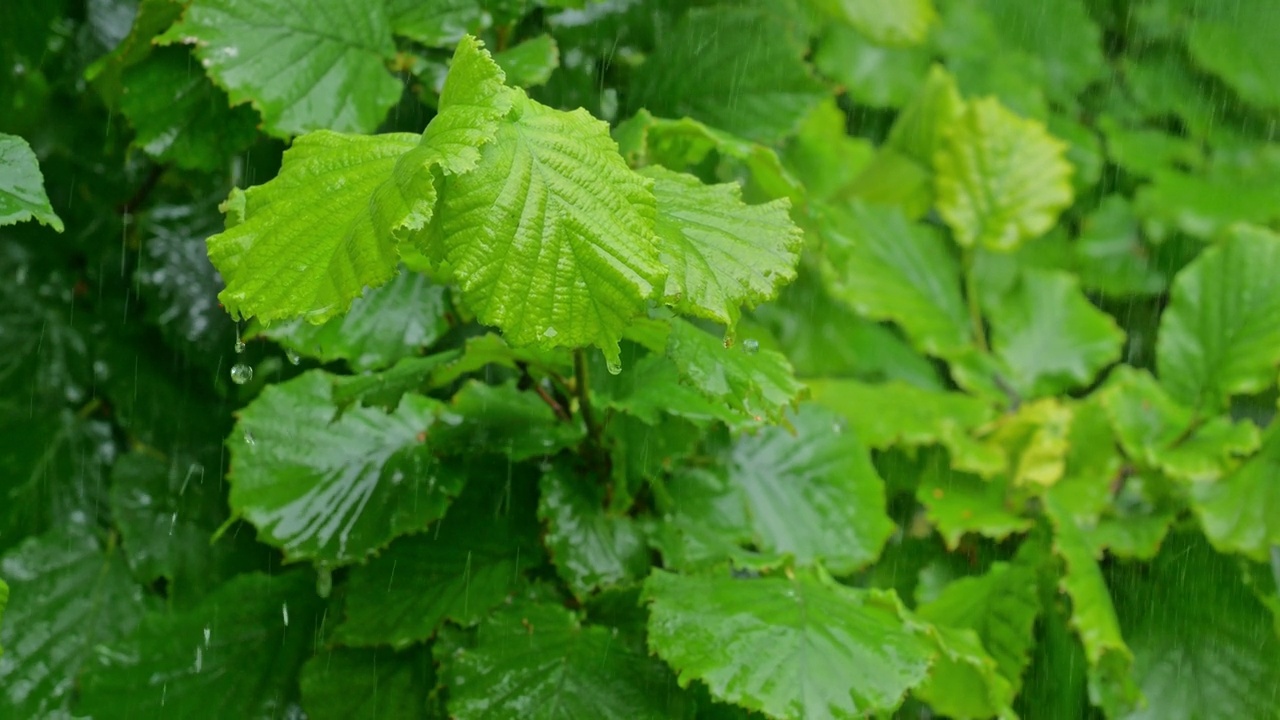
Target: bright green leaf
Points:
x,y
316,67
457,570
755,384
964,681
22,195
436,23
550,237
531,62
591,547
897,414
536,660
388,323
308,243
1203,651
375,684
1111,254
336,489
1050,337
823,155
958,503
1001,179
653,388
795,648
720,253
700,70
1219,336
896,23
236,655
68,598
1239,512
887,268
871,73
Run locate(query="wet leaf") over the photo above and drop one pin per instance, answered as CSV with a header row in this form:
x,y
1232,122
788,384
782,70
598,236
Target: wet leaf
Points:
x,y
590,546
754,384
376,683
22,195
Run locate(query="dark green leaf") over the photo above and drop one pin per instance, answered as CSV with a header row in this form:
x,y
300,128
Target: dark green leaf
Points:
x,y
22,195
375,684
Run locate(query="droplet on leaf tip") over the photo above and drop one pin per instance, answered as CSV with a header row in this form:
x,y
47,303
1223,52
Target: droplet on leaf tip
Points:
x,y
751,347
613,366
293,356
241,373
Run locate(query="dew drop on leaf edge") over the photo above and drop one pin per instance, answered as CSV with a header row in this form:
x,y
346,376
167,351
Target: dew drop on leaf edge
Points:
x,y
241,373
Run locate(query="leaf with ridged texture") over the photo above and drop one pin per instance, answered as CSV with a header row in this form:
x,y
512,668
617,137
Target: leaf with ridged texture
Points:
x,y
437,23
306,243
550,237
759,383
1000,179
720,253
1219,336
458,570
180,117
237,654
964,681
22,195
902,23
374,684
1203,651
1001,606
958,503
386,324
316,67
1093,617
590,546
795,648
336,489
1157,431
1232,40
895,414
700,70
1050,337
68,596
887,268
1239,512
686,144
537,660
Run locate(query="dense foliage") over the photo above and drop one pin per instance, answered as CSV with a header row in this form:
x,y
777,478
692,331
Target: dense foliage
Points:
x,y
639,359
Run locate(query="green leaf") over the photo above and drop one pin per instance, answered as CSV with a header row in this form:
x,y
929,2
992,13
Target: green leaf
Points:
x,y
1001,179
531,62
1208,202
896,414
335,489
22,195
1158,432
1206,651
1237,512
1218,337
958,503
180,117
731,68
4,600
377,684
887,268
319,67
1093,617
591,546
720,253
1050,337
1061,35
438,23
964,682
550,238
504,419
384,389
752,383
385,325
1230,41
537,660
458,570
653,389
69,596
871,73
1112,257
823,155
1001,606
796,648
309,243
236,655
899,23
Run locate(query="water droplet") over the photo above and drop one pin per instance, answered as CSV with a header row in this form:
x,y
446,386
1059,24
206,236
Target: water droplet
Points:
x,y
293,356
248,439
550,333
751,347
207,634
199,658
324,584
241,373
614,366
172,522
239,346
284,610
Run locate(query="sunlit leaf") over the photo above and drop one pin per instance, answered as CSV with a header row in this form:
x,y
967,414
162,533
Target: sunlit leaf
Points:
x,y
1001,179
798,648
322,67
1219,337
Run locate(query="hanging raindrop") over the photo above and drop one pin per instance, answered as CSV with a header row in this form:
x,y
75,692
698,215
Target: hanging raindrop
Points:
x,y
293,356
751,347
241,373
